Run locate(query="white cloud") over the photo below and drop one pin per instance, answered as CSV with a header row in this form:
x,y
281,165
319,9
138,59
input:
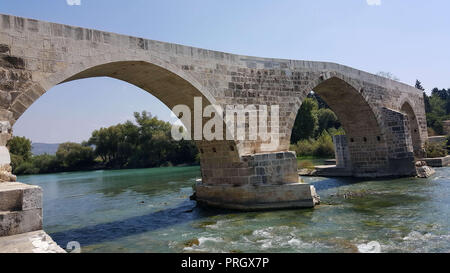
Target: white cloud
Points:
x,y
73,2
373,2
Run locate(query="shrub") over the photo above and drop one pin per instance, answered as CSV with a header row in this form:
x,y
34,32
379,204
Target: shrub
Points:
x,y
304,147
324,146
16,161
434,150
26,168
305,164
20,146
74,156
431,132
327,120
336,132
46,163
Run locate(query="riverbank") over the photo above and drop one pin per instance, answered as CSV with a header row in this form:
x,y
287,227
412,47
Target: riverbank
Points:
x,y
101,167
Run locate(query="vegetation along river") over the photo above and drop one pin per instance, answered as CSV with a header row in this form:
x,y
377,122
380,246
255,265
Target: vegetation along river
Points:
x,y
148,210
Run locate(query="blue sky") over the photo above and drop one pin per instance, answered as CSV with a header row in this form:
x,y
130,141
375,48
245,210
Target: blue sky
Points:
x,y
409,38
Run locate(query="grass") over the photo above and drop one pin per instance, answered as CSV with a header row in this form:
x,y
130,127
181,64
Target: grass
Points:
x,y
310,159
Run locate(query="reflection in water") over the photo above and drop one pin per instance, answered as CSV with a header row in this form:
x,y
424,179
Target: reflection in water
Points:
x,y
149,210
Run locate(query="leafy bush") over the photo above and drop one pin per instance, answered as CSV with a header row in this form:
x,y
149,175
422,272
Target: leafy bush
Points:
x,y
434,150
336,132
26,168
327,120
20,146
306,121
46,163
304,147
16,161
324,146
74,156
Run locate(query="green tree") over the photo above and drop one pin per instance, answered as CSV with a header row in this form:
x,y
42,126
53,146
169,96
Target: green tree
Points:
x,y
438,110
20,146
327,119
16,161
419,86
320,102
145,143
324,146
306,121
426,101
74,156
441,93
46,163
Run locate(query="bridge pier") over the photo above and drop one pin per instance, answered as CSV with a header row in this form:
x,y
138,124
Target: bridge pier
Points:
x,y
258,182
390,154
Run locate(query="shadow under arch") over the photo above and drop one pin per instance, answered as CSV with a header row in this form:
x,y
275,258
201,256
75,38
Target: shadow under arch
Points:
x,y
367,148
407,109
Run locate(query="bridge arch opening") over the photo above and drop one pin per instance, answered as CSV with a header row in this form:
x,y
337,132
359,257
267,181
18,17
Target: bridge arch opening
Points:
x,y
167,86
363,148
413,128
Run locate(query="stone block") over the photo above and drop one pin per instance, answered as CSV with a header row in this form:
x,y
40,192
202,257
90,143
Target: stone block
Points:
x,y
261,197
19,196
17,222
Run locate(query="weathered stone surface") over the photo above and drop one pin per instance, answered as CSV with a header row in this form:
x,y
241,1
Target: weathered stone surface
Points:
x,y
248,197
20,208
438,162
17,222
30,242
12,62
19,196
5,159
425,171
4,48
437,139
342,153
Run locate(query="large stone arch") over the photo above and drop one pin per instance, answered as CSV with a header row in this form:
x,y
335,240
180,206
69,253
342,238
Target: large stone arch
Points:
x,y
365,137
167,83
142,72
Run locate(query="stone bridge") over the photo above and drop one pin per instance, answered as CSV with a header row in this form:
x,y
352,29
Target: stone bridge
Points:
x,y
384,120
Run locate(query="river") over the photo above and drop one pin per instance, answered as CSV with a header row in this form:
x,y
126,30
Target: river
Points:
x,y
148,210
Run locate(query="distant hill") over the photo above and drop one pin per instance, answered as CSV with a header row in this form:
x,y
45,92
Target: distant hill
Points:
x,y
44,148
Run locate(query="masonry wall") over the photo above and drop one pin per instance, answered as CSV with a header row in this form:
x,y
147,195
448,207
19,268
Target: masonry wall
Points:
x,y
341,151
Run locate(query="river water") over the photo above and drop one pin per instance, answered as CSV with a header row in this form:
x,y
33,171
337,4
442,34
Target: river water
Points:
x,y
148,210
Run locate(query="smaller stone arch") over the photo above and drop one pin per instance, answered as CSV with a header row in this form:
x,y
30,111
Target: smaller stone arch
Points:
x,y
414,128
365,138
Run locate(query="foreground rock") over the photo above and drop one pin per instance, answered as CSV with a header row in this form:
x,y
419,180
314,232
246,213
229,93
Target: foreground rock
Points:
x,y
424,171
30,242
20,208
